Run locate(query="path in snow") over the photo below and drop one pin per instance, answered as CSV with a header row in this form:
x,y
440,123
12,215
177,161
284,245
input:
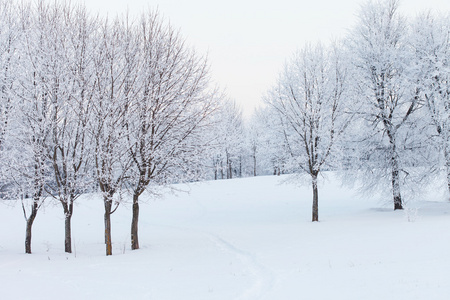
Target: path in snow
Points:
x,y
263,277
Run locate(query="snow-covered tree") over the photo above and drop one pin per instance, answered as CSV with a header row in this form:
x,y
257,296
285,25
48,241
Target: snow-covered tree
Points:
x,y
10,34
429,39
168,113
227,153
384,97
71,50
254,139
111,103
266,143
28,169
309,102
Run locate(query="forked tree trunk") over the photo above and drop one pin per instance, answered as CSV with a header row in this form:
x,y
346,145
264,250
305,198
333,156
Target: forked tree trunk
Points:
x,y
108,242
315,206
30,220
134,223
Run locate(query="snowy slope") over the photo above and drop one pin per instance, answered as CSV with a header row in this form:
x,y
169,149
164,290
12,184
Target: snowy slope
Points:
x,y
235,239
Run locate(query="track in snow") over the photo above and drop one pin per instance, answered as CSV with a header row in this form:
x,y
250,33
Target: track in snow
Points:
x,y
263,276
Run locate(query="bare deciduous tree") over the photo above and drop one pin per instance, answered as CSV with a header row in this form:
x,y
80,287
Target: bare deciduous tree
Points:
x,y
430,42
68,150
108,127
10,34
386,101
170,110
309,101
28,167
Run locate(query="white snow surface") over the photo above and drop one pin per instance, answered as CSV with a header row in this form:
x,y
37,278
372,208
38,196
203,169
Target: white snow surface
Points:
x,y
235,239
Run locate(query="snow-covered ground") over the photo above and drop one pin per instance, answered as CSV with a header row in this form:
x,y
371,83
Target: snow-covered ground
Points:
x,y
235,239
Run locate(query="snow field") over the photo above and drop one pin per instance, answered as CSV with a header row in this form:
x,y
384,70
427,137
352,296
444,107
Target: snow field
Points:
x,y
235,239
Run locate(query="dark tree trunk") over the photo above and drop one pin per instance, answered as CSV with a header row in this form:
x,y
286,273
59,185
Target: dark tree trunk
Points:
x,y
396,186
134,223
108,242
216,169
396,190
229,169
28,236
240,166
315,206
254,165
68,212
68,233
396,181
30,220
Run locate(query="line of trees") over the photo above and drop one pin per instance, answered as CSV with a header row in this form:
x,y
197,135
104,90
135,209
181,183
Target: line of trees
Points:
x,y
375,105
118,105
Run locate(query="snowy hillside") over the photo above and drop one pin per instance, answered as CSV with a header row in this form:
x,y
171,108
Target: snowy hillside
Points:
x,y
235,239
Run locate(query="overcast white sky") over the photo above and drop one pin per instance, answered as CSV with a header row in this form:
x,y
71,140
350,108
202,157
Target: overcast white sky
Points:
x,y
248,41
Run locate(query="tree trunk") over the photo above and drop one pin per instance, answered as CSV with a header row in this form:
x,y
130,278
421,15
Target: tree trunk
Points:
x,y
448,177
447,164
216,168
396,191
30,221
28,236
228,166
240,166
315,206
68,212
254,165
395,175
396,182
108,242
134,223
68,233
396,185
277,171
